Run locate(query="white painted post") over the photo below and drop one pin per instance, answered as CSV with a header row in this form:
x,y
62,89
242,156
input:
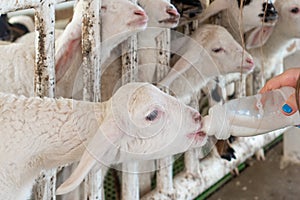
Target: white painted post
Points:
x,y
164,176
91,50
191,157
129,60
291,150
45,81
45,186
213,168
130,182
44,45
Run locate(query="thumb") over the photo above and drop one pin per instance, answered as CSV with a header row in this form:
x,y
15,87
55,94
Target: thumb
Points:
x,y
290,106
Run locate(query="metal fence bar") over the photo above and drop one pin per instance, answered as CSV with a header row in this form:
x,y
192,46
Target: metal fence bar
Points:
x,y
191,156
14,5
44,46
291,152
183,186
214,168
130,181
165,173
45,81
91,50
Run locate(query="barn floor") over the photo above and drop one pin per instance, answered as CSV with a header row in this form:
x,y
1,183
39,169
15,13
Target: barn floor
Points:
x,y
263,180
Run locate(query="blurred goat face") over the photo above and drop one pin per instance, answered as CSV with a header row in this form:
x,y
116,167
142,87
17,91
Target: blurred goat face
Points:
x,y
257,13
152,123
289,16
122,17
227,54
161,13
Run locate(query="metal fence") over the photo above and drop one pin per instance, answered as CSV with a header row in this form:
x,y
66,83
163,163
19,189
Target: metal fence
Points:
x,y
198,175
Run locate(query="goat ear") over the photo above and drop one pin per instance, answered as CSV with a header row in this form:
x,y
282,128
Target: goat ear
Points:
x,y
65,54
69,43
258,37
85,165
214,8
99,149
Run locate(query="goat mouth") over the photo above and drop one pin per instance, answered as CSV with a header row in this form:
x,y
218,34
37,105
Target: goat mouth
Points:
x,y
171,20
198,135
269,23
247,68
138,22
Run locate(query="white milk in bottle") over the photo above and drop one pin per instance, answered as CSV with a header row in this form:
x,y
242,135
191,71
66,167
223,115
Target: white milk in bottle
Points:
x,y
250,116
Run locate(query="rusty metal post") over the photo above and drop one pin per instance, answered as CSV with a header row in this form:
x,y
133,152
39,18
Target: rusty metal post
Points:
x,y
164,176
45,81
130,181
91,51
44,45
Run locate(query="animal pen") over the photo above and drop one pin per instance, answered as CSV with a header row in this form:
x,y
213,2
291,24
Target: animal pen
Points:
x,y
200,172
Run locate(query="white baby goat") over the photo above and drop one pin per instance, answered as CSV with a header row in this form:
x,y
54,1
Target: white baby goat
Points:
x,y
240,18
68,48
210,52
162,15
269,57
138,122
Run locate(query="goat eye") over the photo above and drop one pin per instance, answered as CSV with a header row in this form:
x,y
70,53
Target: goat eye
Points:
x,y
295,10
217,50
152,116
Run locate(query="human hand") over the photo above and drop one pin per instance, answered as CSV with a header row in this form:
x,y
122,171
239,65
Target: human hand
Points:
x,y
287,78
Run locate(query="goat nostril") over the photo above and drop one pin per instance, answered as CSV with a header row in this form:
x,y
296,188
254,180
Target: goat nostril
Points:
x,y
249,60
140,12
173,12
197,117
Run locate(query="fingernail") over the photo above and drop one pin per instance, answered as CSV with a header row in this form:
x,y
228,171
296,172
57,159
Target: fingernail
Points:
x,y
286,108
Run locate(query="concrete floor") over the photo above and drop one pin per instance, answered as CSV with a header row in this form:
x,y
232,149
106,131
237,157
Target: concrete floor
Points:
x,y
263,180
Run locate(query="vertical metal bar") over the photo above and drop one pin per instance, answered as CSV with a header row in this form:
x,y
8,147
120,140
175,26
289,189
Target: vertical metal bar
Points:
x,y
191,157
291,152
45,80
163,47
129,60
44,61
44,189
165,172
91,50
130,181
164,176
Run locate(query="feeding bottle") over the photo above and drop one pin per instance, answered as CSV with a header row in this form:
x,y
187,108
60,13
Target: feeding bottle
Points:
x,y
250,115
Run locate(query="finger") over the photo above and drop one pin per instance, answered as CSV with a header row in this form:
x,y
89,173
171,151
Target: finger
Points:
x,y
288,78
290,106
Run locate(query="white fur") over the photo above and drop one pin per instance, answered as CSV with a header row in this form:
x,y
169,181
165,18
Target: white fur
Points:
x,y
238,21
269,57
191,72
45,133
167,17
162,15
68,45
